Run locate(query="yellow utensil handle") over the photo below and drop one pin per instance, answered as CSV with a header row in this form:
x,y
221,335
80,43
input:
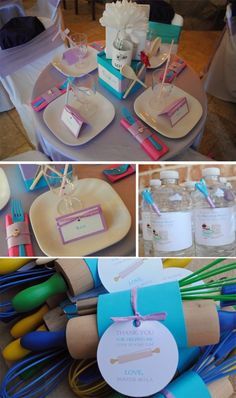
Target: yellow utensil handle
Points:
x,y
8,265
176,262
14,351
29,323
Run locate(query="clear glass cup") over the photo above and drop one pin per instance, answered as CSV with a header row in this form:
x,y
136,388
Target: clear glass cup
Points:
x,y
80,42
84,90
63,185
161,91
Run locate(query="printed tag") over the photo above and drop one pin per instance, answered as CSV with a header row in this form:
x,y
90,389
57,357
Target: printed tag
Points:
x,y
176,110
215,227
81,224
72,119
172,231
176,274
123,274
137,361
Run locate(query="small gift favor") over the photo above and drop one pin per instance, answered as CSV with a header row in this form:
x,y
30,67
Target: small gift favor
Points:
x,y
18,233
175,111
72,119
131,19
81,224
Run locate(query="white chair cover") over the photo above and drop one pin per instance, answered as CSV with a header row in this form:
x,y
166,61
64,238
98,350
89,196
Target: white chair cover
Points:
x,y
19,83
220,80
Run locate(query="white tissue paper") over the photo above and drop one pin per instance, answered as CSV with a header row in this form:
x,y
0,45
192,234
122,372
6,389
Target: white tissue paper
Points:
x,y
129,18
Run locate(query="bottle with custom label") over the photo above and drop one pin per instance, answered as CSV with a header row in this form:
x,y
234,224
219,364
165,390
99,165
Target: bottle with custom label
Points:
x,y
172,230
214,227
146,220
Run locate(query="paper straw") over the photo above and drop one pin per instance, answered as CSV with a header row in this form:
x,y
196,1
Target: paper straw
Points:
x,y
64,179
67,92
166,68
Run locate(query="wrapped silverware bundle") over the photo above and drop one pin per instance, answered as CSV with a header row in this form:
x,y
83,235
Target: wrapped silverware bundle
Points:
x,y
118,327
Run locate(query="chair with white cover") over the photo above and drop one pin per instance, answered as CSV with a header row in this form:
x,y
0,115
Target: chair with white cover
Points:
x,y
220,80
21,66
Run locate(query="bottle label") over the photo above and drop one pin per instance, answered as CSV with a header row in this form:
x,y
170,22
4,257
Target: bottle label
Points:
x,y
146,224
172,231
215,227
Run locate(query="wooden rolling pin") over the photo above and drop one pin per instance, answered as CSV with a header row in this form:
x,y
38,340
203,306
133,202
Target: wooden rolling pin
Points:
x,y
201,320
72,274
221,388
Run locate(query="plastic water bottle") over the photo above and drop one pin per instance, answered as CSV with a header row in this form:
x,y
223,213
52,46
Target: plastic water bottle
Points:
x,y
214,227
146,220
172,230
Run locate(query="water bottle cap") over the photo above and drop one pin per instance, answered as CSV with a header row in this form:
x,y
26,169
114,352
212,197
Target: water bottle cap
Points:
x,y
211,171
154,182
169,174
223,180
189,184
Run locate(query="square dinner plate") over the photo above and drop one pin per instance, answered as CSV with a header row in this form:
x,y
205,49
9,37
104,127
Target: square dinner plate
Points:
x,y
160,123
88,64
91,191
102,116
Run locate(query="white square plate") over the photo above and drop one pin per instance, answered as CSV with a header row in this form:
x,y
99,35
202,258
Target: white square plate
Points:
x,y
91,191
88,65
101,117
161,124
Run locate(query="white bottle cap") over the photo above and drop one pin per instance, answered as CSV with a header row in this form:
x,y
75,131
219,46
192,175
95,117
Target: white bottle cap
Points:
x,y
223,180
189,184
211,171
155,182
169,174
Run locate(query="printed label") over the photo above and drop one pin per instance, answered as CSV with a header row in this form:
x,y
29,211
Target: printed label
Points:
x,y
146,225
109,78
172,231
215,227
122,274
73,124
137,361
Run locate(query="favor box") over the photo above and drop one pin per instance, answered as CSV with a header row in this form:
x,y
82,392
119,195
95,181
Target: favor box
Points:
x,y
111,78
139,35
29,172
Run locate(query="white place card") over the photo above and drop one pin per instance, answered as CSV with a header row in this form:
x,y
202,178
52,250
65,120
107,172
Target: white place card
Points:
x,y
81,224
72,119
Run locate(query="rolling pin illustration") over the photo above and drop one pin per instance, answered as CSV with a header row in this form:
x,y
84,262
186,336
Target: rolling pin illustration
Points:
x,y
74,275
135,356
128,270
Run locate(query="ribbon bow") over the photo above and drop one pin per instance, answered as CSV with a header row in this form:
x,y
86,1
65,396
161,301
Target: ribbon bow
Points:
x,y
158,316
201,187
144,59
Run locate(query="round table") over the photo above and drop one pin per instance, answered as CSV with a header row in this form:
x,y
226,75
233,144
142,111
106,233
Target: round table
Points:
x,y
115,143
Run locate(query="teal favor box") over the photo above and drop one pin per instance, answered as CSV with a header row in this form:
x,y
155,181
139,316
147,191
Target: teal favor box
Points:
x,y
111,78
166,32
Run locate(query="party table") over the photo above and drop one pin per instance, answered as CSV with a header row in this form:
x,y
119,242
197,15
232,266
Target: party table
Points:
x,y
115,143
125,188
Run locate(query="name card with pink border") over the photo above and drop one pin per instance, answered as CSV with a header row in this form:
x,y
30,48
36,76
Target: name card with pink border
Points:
x,y
81,224
175,111
72,119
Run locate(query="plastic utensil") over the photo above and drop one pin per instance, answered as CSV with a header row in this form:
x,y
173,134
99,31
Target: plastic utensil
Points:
x,y
18,216
128,72
149,199
29,323
34,296
40,341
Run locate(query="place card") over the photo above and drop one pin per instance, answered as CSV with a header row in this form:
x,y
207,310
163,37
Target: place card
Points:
x,y
175,111
81,224
72,119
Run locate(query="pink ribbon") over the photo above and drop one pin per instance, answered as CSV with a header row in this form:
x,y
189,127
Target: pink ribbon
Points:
x,y
158,316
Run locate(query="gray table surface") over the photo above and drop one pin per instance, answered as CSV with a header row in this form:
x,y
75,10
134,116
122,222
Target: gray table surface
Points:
x,y
125,247
114,143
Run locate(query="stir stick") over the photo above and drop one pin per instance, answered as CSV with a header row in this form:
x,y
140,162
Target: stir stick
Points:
x,y
166,68
64,179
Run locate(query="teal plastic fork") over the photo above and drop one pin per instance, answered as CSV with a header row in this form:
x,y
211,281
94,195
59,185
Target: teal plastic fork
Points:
x,y
18,216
